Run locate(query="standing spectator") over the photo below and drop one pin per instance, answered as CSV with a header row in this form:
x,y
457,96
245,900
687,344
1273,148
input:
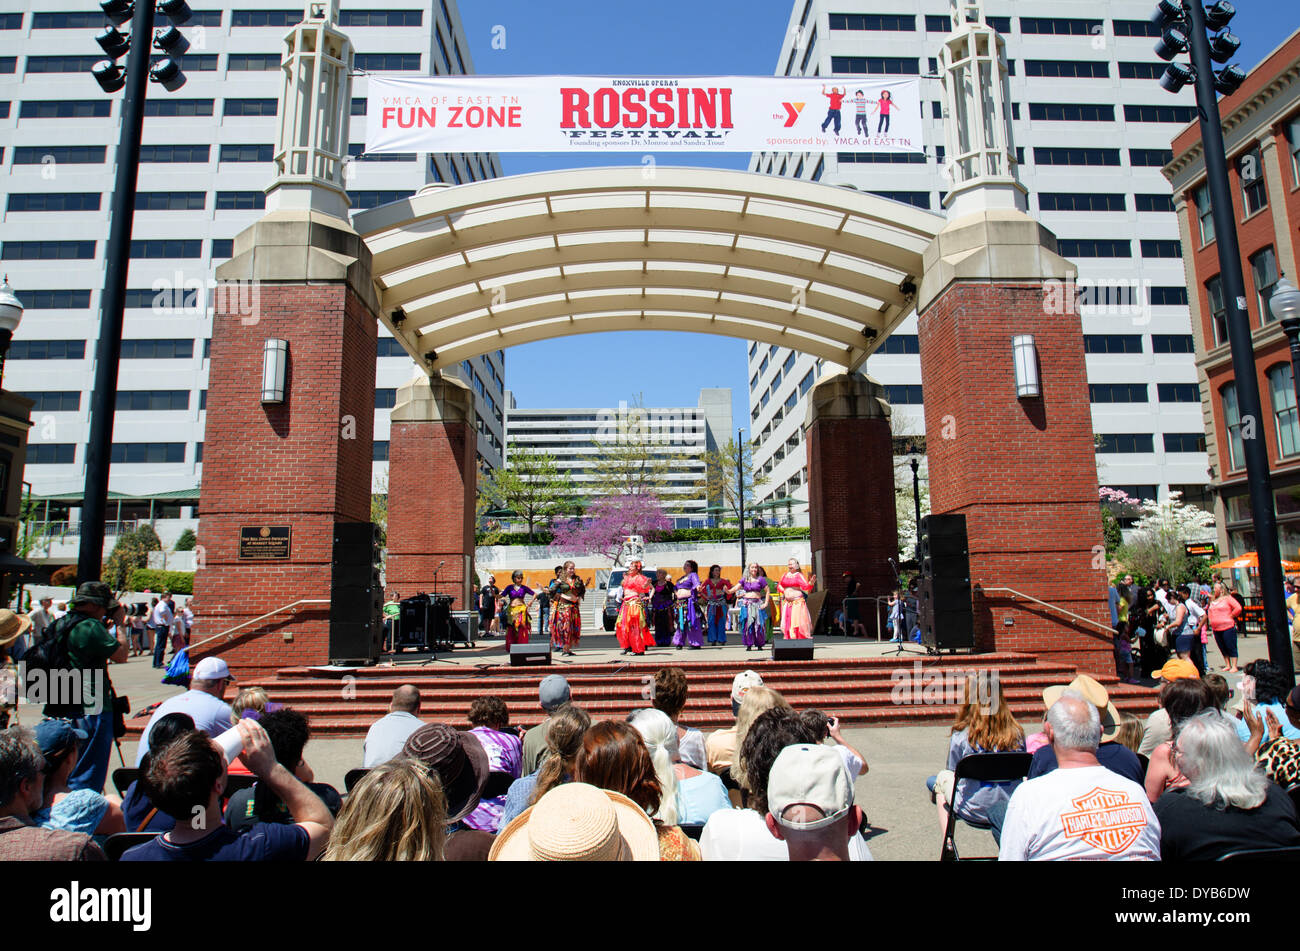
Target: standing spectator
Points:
x,y
491,724
90,647
187,779
202,701
397,813
160,619
41,619
568,724
487,606
1195,626
810,804
1226,804
289,732
139,632
543,609
1081,809
1113,599
22,792
552,693
389,733
1223,613
670,697
80,810
1146,611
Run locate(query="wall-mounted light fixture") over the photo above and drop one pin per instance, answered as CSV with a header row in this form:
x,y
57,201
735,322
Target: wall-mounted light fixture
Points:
x,y
1026,358
275,362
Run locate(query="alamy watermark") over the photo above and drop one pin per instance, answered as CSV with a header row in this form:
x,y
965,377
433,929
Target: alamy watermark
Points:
x,y
940,686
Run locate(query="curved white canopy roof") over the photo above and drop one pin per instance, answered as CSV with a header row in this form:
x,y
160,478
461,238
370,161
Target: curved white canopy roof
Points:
x,y
490,264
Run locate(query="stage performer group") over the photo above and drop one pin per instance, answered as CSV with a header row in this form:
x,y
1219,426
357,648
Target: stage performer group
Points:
x,y
567,592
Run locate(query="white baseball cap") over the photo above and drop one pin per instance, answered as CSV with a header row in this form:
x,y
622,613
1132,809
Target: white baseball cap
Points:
x,y
212,668
742,684
809,774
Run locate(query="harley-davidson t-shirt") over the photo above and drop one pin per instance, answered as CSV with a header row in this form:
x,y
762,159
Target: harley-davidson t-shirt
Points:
x,y
1085,813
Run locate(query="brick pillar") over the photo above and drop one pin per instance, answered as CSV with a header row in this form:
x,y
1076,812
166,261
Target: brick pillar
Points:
x,y
432,482
304,463
851,486
1023,471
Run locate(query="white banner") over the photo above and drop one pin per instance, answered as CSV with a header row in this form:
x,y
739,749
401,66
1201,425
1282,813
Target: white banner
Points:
x,y
681,114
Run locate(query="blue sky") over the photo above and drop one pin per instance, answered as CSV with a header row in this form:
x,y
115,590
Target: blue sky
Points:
x,y
666,37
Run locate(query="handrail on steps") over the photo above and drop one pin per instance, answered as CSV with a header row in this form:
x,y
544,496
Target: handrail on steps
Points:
x,y
1055,607
228,634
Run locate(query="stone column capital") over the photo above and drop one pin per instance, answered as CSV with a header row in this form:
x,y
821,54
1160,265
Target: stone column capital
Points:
x,y
436,399
847,396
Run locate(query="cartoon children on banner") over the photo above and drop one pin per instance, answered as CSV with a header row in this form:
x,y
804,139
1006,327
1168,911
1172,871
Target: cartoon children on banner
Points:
x,y
884,106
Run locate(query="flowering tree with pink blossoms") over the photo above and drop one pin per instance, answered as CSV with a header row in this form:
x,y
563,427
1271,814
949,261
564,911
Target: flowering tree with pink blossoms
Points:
x,y
607,523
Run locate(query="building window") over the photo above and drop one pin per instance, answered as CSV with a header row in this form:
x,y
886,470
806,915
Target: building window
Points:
x,y
48,251
1069,112
382,18
222,248
1167,296
1293,141
1150,158
1095,247
1117,392
1178,392
1172,343
1080,201
1218,311
1250,169
65,109
1232,422
390,347
1282,389
900,343
1127,443
183,108
903,394
1162,249
917,199
51,454
881,158
58,299
1068,156
279,18
59,154
1134,28
385,397
1204,214
170,201
874,22
58,64
1067,68
148,349
246,153
240,201
1263,269
252,62
388,62
934,23
150,400
136,452
806,383
47,350
167,248
54,201
14,21
1184,442
371,199
248,107
1112,343
55,401
1141,70
1058,26
877,65
175,154
1148,113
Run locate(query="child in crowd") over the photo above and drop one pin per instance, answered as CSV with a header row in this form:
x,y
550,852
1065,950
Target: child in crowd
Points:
x,y
1125,668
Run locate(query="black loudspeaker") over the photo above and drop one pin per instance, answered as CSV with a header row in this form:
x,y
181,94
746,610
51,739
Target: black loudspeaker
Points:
x,y
800,649
464,627
530,655
356,595
944,609
413,622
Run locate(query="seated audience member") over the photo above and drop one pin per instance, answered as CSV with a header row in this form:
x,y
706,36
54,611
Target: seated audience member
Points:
x,y
289,732
810,804
1227,804
22,791
1112,755
613,757
695,794
389,733
186,779
1081,809
1219,689
1159,728
1271,688
1187,698
552,693
250,702
720,747
1129,734
563,741
990,728
142,815
742,834
491,721
461,764
1275,754
828,728
202,701
71,810
577,822
758,700
396,813
670,697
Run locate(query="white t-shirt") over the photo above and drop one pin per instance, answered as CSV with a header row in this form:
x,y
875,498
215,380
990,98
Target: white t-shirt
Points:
x,y
1081,813
161,616
741,835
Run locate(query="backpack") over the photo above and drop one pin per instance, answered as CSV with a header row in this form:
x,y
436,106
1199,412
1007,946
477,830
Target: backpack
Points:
x,y
51,651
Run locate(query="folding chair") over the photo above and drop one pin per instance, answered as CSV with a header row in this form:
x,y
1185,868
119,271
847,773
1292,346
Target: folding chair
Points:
x,y
987,768
1145,762
119,842
1290,854
693,830
353,776
498,784
237,782
1294,793
123,777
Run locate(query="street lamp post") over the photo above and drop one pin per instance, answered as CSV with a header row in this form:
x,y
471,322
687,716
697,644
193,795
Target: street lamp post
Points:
x,y
11,314
916,497
740,500
1285,304
1184,24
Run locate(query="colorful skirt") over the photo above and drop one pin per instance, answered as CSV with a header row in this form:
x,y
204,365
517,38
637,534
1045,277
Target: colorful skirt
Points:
x,y
753,623
630,628
566,624
795,622
690,624
520,624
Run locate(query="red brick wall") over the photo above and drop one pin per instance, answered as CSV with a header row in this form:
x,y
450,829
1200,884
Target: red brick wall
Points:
x,y
432,481
851,506
302,463
1022,471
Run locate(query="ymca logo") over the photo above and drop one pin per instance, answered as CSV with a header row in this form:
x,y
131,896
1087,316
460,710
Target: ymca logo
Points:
x,y
792,110
1109,821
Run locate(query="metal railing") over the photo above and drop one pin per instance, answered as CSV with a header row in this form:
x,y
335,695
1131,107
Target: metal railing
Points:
x,y
1055,607
877,600
230,633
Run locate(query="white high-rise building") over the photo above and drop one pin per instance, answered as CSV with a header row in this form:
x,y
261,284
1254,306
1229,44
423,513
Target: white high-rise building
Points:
x,y
1092,129
206,159
677,435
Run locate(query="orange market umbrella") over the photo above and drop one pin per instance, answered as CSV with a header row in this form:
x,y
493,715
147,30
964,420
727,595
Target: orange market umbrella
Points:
x,y
1251,560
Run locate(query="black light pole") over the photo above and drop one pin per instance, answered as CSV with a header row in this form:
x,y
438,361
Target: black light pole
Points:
x,y
1186,24
1285,303
740,500
916,492
117,259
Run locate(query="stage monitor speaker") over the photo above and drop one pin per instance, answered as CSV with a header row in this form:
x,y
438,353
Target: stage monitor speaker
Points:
x,y
464,627
530,655
800,649
354,644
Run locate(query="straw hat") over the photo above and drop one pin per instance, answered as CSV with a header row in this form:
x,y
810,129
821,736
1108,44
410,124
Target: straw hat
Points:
x,y
576,822
12,626
1095,694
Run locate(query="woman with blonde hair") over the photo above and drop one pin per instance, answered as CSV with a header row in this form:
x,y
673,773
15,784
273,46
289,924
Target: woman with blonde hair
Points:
x,y
397,813
758,700
754,600
250,698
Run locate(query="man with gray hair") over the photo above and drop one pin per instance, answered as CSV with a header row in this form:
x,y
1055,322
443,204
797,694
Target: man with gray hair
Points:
x,y
1080,810
22,791
202,702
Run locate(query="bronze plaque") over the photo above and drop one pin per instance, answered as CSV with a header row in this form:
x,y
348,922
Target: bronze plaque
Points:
x,y
264,541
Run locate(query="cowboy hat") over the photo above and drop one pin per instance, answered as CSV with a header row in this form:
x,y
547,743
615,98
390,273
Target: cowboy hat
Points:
x,y
1095,694
12,626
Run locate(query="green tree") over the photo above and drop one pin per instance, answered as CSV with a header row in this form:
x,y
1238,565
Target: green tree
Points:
x,y
131,551
33,533
187,541
530,486
379,508
635,457
722,481
1156,548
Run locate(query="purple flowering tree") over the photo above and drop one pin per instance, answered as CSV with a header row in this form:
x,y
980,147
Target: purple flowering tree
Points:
x,y
607,523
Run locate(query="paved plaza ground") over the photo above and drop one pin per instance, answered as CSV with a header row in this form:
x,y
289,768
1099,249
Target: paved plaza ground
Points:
x,y
892,792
